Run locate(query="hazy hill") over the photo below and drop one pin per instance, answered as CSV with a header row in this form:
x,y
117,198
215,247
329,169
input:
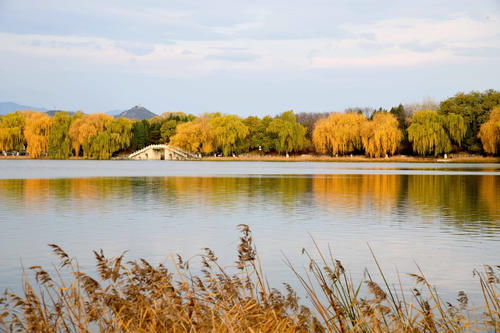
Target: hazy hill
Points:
x,y
137,112
9,107
53,112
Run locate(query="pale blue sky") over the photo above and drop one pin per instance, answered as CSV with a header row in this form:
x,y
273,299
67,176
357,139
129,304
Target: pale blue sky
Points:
x,y
245,57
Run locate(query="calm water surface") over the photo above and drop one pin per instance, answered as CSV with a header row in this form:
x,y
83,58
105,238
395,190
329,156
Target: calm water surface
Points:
x,y
445,217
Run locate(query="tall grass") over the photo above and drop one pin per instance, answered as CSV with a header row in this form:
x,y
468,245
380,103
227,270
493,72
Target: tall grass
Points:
x,y
136,296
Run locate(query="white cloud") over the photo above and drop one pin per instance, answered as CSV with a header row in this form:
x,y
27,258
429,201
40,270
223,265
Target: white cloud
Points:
x,y
400,59
388,43
458,30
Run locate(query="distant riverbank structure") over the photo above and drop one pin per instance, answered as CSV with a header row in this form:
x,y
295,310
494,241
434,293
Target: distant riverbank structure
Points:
x,y
162,152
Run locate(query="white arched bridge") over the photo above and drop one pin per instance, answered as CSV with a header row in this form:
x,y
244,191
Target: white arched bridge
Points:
x,y
162,152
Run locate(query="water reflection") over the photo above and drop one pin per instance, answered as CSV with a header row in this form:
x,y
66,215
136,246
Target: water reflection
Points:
x,y
464,201
449,224
383,192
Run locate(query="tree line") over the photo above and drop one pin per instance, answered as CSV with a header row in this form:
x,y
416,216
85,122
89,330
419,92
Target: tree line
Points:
x,y
465,122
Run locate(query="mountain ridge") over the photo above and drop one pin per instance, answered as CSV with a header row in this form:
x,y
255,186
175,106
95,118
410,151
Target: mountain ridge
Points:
x,y
9,107
137,112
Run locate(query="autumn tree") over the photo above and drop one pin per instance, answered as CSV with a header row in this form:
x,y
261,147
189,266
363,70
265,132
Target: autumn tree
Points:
x,y
36,132
434,133
229,131
12,131
168,122
112,136
289,135
490,132
59,139
120,130
195,136
339,133
116,136
85,129
100,148
381,135
75,133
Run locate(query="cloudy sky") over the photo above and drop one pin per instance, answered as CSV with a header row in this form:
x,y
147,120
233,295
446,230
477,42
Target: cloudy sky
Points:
x,y
245,57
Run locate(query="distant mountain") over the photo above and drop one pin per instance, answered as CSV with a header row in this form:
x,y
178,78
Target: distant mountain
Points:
x,y
9,107
137,112
53,112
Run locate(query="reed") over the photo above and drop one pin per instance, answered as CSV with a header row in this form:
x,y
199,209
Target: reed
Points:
x,y
136,296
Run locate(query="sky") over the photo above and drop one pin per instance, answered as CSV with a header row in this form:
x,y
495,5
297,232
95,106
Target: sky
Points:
x,y
245,57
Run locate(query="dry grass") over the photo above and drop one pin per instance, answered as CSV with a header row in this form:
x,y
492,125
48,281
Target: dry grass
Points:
x,y
134,296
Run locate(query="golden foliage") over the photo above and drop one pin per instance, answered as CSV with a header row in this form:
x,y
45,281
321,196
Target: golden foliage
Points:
x,y
84,129
36,133
11,131
490,132
339,133
195,136
381,135
228,132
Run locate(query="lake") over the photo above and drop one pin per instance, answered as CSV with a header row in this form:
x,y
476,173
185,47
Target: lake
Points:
x,y
443,217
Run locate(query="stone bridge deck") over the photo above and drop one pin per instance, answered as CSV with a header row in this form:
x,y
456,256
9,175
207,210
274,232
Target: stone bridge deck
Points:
x,y
162,152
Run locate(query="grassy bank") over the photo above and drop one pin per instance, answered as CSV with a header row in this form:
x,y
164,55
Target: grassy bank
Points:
x,y
136,296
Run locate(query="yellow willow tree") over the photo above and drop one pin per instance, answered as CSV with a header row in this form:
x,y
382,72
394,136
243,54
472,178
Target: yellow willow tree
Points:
x,y
286,133
339,133
490,132
36,132
12,131
228,131
121,133
85,129
381,135
74,131
59,140
195,136
433,133
116,136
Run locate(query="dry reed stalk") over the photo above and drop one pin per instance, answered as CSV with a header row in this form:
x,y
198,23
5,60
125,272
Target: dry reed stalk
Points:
x,y
136,296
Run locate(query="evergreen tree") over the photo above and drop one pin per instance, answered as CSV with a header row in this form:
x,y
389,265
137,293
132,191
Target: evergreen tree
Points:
x,y
474,108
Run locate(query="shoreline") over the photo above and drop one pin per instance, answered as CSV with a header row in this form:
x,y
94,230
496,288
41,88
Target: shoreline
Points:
x,y
320,158
356,158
